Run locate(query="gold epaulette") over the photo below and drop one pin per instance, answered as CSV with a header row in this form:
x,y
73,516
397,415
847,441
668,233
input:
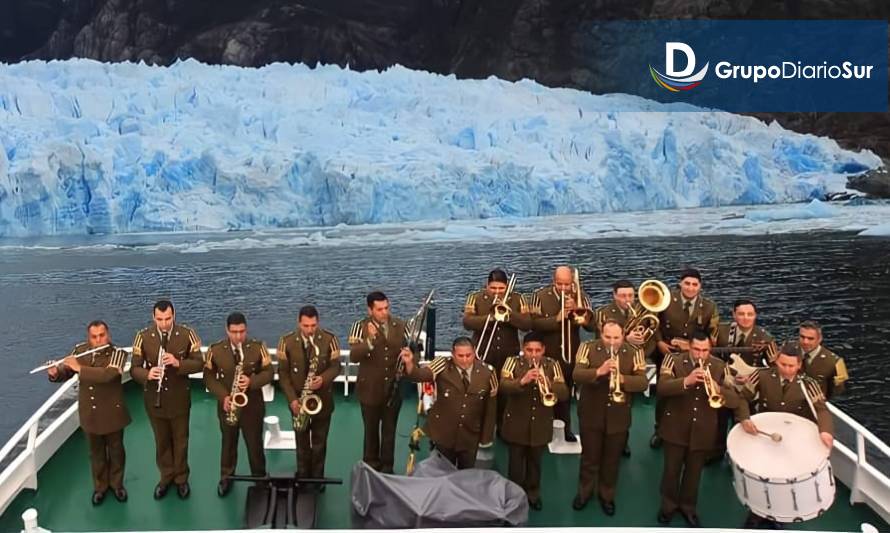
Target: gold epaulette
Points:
x,y
356,333
492,380
194,340
523,305
812,389
557,373
535,305
667,366
265,358
639,358
335,345
281,352
437,365
507,370
470,304
137,344
583,355
840,372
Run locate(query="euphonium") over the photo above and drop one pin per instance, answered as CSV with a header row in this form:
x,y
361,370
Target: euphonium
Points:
x,y
715,397
617,395
654,297
310,403
548,398
237,397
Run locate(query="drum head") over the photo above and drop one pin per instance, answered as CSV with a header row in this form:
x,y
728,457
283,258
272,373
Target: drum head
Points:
x,y
799,454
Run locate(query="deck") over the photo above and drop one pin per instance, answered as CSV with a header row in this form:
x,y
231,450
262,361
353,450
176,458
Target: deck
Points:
x,y
63,498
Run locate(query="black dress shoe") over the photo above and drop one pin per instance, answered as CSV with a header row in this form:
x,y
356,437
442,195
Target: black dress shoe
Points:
x,y
224,486
570,437
97,497
536,504
665,518
691,519
120,494
161,491
655,441
608,507
626,451
579,503
183,490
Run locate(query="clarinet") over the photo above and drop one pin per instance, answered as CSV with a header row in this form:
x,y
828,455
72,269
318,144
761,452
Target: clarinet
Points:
x,y
163,367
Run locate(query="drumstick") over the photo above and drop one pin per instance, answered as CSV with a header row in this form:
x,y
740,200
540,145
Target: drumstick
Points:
x,y
774,436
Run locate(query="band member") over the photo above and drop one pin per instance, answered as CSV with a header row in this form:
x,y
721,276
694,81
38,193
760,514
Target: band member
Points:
x,y
609,371
164,354
558,312
786,388
743,332
377,343
308,363
621,310
688,312
692,385
101,407
820,363
463,415
532,384
249,360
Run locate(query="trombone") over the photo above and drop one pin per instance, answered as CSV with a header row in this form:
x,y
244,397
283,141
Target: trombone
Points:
x,y
576,315
500,311
654,297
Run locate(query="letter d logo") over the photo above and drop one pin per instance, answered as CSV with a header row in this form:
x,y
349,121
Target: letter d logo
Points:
x,y
670,50
674,80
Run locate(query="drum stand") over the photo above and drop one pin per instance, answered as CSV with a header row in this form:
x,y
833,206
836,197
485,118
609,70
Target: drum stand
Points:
x,y
282,502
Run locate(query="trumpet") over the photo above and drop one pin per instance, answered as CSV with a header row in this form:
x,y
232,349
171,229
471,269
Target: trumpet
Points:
x,y
310,403
615,393
654,297
501,313
55,362
715,397
237,397
548,398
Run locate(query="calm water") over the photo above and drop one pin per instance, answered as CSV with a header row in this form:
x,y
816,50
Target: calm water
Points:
x,y
47,296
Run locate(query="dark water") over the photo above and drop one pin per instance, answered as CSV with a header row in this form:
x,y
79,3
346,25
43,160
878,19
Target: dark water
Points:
x,y
47,296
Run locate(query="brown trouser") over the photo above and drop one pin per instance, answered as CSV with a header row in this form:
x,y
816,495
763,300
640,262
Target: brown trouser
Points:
x,y
107,460
312,447
250,423
563,410
171,448
380,434
461,458
525,468
600,456
679,482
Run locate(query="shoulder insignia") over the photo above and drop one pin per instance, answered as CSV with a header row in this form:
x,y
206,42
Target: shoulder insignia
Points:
x,y
840,372
667,366
437,365
812,389
470,304
194,340
639,358
356,333
281,352
535,306
335,346
523,305
492,381
137,344
208,363
507,370
557,373
582,357
265,359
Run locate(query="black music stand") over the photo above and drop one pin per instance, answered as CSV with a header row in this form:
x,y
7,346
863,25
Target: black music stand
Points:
x,y
282,501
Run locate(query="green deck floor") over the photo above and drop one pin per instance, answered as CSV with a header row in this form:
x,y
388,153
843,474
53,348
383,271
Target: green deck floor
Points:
x,y
65,487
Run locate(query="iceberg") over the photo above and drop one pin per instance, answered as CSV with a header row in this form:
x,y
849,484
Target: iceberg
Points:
x,y
98,148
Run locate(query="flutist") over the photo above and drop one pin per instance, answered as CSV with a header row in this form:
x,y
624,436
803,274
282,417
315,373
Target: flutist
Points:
x,y
308,363
164,354
235,372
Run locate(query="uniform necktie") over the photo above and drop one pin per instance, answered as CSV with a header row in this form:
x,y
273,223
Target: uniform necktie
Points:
x,y
464,376
164,338
237,354
741,340
785,383
383,329
687,305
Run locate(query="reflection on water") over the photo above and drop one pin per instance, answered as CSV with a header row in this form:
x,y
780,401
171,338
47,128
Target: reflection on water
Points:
x,y
49,295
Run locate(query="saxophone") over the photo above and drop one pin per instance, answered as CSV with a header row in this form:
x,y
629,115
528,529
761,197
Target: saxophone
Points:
x,y
238,398
310,403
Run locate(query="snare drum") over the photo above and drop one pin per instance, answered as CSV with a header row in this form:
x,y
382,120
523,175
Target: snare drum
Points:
x,y
786,481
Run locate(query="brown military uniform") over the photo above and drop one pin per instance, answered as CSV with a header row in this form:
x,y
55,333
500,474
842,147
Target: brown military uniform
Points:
x,y
103,414
170,421
604,423
828,369
219,372
294,359
770,395
528,424
689,428
378,360
505,343
728,336
545,308
462,416
611,311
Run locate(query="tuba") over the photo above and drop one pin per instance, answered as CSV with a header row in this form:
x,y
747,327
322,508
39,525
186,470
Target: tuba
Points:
x,y
238,398
310,403
654,297
548,398
615,393
715,397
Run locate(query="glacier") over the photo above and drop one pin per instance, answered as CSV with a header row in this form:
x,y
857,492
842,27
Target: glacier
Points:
x,y
98,148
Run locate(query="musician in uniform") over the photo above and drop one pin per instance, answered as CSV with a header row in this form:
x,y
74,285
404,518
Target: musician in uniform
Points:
x,y
558,312
164,354
100,406
743,332
820,363
223,359
604,419
377,342
463,415
308,363
785,388
528,416
622,309
688,312
688,384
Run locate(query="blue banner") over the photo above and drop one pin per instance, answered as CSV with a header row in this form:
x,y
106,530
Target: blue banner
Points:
x,y
747,66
